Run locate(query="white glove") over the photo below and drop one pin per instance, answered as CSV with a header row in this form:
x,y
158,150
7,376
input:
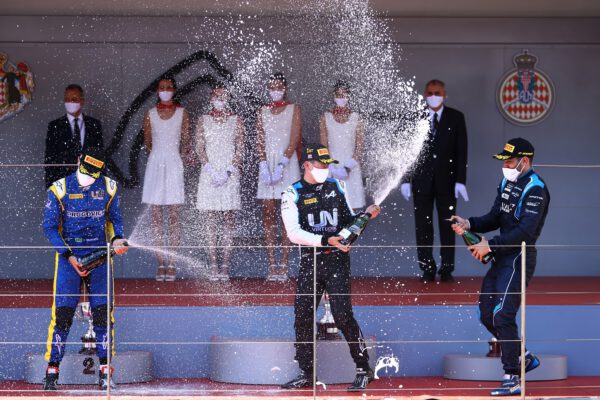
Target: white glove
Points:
x,y
264,174
284,161
351,164
338,172
219,178
405,189
277,174
461,189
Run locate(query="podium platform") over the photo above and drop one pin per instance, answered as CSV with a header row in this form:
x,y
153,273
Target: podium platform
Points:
x,y
271,360
79,369
471,367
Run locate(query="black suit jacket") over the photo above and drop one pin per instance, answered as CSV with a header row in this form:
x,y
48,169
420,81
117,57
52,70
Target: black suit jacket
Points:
x,y
61,148
443,160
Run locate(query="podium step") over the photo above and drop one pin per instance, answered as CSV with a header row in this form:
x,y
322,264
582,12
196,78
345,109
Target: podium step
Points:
x,y
271,360
471,367
77,369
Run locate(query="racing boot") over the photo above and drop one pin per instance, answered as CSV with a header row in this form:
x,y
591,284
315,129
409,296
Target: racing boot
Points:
x,y
363,377
305,379
511,386
103,380
51,378
531,362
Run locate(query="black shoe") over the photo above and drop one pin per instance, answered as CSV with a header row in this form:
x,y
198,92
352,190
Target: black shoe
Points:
x,y
363,377
305,379
51,379
511,386
427,277
446,277
531,362
103,380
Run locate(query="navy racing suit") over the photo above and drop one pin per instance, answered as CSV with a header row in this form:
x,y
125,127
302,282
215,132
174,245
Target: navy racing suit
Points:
x,y
77,221
519,211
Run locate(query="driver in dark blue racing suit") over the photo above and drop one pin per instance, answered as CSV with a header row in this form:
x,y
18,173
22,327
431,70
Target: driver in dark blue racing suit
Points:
x,y
519,211
82,214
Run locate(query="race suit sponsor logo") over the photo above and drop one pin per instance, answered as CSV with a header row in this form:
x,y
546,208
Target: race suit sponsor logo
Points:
x,y
325,218
86,214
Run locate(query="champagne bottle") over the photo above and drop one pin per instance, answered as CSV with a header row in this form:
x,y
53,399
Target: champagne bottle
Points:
x,y
326,329
95,259
352,232
471,239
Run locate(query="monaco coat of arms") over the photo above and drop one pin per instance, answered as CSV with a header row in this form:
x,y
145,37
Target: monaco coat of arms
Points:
x,y
525,95
16,87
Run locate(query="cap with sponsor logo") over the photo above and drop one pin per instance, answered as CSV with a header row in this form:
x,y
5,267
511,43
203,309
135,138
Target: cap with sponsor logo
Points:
x,y
317,152
92,162
517,147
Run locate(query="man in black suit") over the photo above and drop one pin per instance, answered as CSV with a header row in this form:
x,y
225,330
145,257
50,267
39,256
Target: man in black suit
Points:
x,y
68,135
439,176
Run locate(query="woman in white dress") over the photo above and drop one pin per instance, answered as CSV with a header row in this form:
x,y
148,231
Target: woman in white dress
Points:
x,y
342,131
167,138
278,136
219,145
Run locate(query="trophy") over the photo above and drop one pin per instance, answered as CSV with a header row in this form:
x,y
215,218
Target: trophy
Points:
x,y
326,329
84,313
494,348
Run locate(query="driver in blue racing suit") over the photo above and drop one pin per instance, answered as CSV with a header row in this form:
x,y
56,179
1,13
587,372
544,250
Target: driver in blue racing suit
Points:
x,y
519,211
82,213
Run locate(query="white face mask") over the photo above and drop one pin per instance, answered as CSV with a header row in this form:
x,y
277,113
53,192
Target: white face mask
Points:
x,y
434,101
165,95
72,108
218,104
512,174
276,95
341,101
319,174
85,180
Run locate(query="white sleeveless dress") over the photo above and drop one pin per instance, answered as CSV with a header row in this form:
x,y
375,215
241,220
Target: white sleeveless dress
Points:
x,y
163,180
278,132
219,139
342,141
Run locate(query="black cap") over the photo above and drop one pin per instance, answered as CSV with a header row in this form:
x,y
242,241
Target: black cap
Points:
x,y
517,147
317,152
92,162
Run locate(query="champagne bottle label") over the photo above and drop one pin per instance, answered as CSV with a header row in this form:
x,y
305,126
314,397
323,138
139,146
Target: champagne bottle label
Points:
x,y
345,233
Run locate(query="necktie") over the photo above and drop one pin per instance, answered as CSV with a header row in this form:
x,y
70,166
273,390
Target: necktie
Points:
x,y
77,136
435,126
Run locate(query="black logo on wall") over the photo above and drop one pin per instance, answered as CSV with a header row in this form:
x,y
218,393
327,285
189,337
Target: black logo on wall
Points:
x,y
221,74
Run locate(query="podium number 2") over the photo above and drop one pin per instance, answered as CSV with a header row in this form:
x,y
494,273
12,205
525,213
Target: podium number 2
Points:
x,y
88,366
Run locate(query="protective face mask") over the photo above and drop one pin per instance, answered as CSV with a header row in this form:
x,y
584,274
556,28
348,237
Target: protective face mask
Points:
x,y
165,95
434,101
218,104
512,174
72,108
276,95
341,101
84,180
320,174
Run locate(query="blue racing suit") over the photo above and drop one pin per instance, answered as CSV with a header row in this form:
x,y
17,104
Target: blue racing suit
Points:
x,y
519,211
77,221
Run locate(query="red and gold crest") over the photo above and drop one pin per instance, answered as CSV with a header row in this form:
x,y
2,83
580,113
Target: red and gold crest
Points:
x,y
16,87
525,95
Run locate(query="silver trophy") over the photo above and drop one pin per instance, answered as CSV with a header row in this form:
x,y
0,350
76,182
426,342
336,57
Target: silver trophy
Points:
x,y
89,337
326,329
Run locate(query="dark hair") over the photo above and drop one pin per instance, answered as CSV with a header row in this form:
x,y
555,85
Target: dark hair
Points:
x,y
278,76
341,84
436,82
169,78
74,86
